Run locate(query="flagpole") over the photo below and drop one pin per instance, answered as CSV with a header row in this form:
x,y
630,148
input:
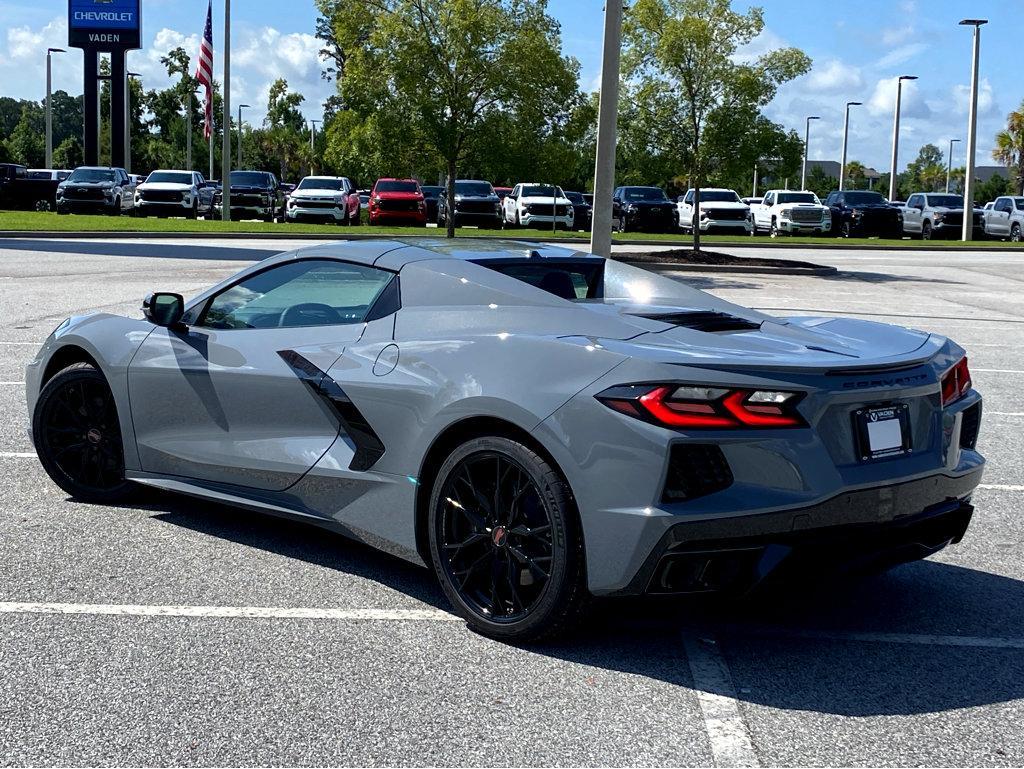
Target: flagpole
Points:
x,y
226,147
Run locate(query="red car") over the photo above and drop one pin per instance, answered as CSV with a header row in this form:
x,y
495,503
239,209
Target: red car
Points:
x,y
397,200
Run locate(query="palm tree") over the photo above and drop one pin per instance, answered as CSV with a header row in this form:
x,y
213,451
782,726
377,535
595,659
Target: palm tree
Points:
x,y
1010,144
855,173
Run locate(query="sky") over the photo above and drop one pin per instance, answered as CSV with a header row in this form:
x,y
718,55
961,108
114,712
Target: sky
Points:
x,y
858,48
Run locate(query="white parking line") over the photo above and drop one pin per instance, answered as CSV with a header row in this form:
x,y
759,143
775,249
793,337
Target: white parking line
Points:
x,y
244,612
1000,487
916,639
723,722
20,384
997,370
1004,413
17,455
26,344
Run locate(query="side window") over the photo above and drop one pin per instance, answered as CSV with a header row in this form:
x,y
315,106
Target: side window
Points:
x,y
769,200
689,197
313,292
1020,204
914,201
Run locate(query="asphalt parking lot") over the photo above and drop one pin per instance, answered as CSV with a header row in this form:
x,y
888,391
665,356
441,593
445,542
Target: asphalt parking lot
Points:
x,y
180,632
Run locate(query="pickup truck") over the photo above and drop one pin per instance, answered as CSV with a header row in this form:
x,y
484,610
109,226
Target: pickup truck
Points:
x,y
937,214
27,192
1005,218
720,209
863,213
788,211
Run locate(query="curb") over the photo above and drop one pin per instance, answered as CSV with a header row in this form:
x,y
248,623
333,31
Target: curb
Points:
x,y
911,246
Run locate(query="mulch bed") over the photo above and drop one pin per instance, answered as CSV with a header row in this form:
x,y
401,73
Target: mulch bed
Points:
x,y
689,256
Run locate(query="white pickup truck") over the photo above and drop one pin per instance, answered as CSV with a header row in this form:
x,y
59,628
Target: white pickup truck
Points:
x,y
1005,219
720,209
788,211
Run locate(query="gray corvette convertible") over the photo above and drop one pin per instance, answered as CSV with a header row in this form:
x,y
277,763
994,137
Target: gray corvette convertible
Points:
x,y
539,425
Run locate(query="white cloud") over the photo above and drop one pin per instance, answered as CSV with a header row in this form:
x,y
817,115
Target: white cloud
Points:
x,y
902,54
834,76
764,43
987,106
883,99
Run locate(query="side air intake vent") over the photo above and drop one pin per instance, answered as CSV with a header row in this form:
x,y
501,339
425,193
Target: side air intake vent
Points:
x,y
703,321
696,470
969,426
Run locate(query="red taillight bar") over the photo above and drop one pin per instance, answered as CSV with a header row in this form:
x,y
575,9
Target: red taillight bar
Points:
x,y
956,382
730,410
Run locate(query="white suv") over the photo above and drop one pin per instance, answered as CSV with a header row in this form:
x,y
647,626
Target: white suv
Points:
x,y
320,198
720,209
1005,218
174,193
791,212
535,205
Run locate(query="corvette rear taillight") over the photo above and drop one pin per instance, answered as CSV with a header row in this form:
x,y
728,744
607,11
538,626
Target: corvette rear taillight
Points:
x,y
956,382
695,407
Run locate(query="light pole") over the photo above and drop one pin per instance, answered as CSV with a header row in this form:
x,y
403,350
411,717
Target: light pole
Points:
x,y
128,121
607,114
49,107
896,134
240,132
846,136
312,144
972,132
225,160
949,162
188,129
807,137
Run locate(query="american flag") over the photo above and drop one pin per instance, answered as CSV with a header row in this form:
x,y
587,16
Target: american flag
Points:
x,y
204,73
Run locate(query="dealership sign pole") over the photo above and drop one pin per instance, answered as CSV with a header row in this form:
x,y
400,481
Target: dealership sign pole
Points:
x,y
105,26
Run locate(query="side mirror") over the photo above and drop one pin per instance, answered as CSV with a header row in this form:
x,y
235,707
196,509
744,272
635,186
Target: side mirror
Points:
x,y
163,309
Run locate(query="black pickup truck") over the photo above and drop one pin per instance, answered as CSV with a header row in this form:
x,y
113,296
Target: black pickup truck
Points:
x,y
863,213
21,191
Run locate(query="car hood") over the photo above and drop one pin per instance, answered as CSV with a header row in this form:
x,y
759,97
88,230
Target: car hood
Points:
x,y
727,336
314,192
647,203
248,188
477,198
726,204
165,186
397,196
545,199
800,205
88,185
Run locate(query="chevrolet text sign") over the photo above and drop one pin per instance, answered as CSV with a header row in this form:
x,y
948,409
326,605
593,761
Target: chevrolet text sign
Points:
x,y
104,24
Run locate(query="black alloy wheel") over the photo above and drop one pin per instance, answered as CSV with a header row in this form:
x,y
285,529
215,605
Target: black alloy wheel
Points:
x,y
846,230
505,540
77,435
1015,234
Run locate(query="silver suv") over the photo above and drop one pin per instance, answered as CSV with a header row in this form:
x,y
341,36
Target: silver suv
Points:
x,y
937,214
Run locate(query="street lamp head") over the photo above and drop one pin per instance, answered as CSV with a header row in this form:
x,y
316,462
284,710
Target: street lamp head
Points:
x,y
134,74
55,50
854,103
908,77
814,117
973,22
953,140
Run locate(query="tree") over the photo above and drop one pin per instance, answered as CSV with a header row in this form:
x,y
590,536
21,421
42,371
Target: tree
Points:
x,y
68,154
990,190
27,142
683,55
820,183
856,176
446,67
285,135
1010,146
927,172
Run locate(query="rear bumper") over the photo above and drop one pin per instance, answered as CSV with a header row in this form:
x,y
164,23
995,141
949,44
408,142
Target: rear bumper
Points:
x,y
881,525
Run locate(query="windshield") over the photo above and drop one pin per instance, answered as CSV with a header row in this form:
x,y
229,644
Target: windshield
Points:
x,y
250,178
643,193
863,198
91,175
170,177
474,189
431,191
320,183
796,197
538,191
397,187
575,197
719,196
945,201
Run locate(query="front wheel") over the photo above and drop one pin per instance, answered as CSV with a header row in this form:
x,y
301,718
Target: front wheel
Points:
x,y
77,435
774,231
926,231
505,541
1015,234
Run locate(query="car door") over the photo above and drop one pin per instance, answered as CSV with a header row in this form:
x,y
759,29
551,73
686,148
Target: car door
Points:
x,y
686,211
509,203
913,214
998,219
231,396
762,220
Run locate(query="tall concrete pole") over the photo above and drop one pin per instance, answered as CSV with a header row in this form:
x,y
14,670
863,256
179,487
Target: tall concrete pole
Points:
x,y
226,147
949,162
896,134
846,137
240,133
49,106
188,131
967,232
607,126
807,137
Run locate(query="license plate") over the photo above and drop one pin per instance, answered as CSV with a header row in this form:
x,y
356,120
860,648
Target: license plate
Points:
x,y
882,431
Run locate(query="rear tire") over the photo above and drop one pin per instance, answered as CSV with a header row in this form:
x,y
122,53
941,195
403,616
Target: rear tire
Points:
x,y
505,541
77,435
